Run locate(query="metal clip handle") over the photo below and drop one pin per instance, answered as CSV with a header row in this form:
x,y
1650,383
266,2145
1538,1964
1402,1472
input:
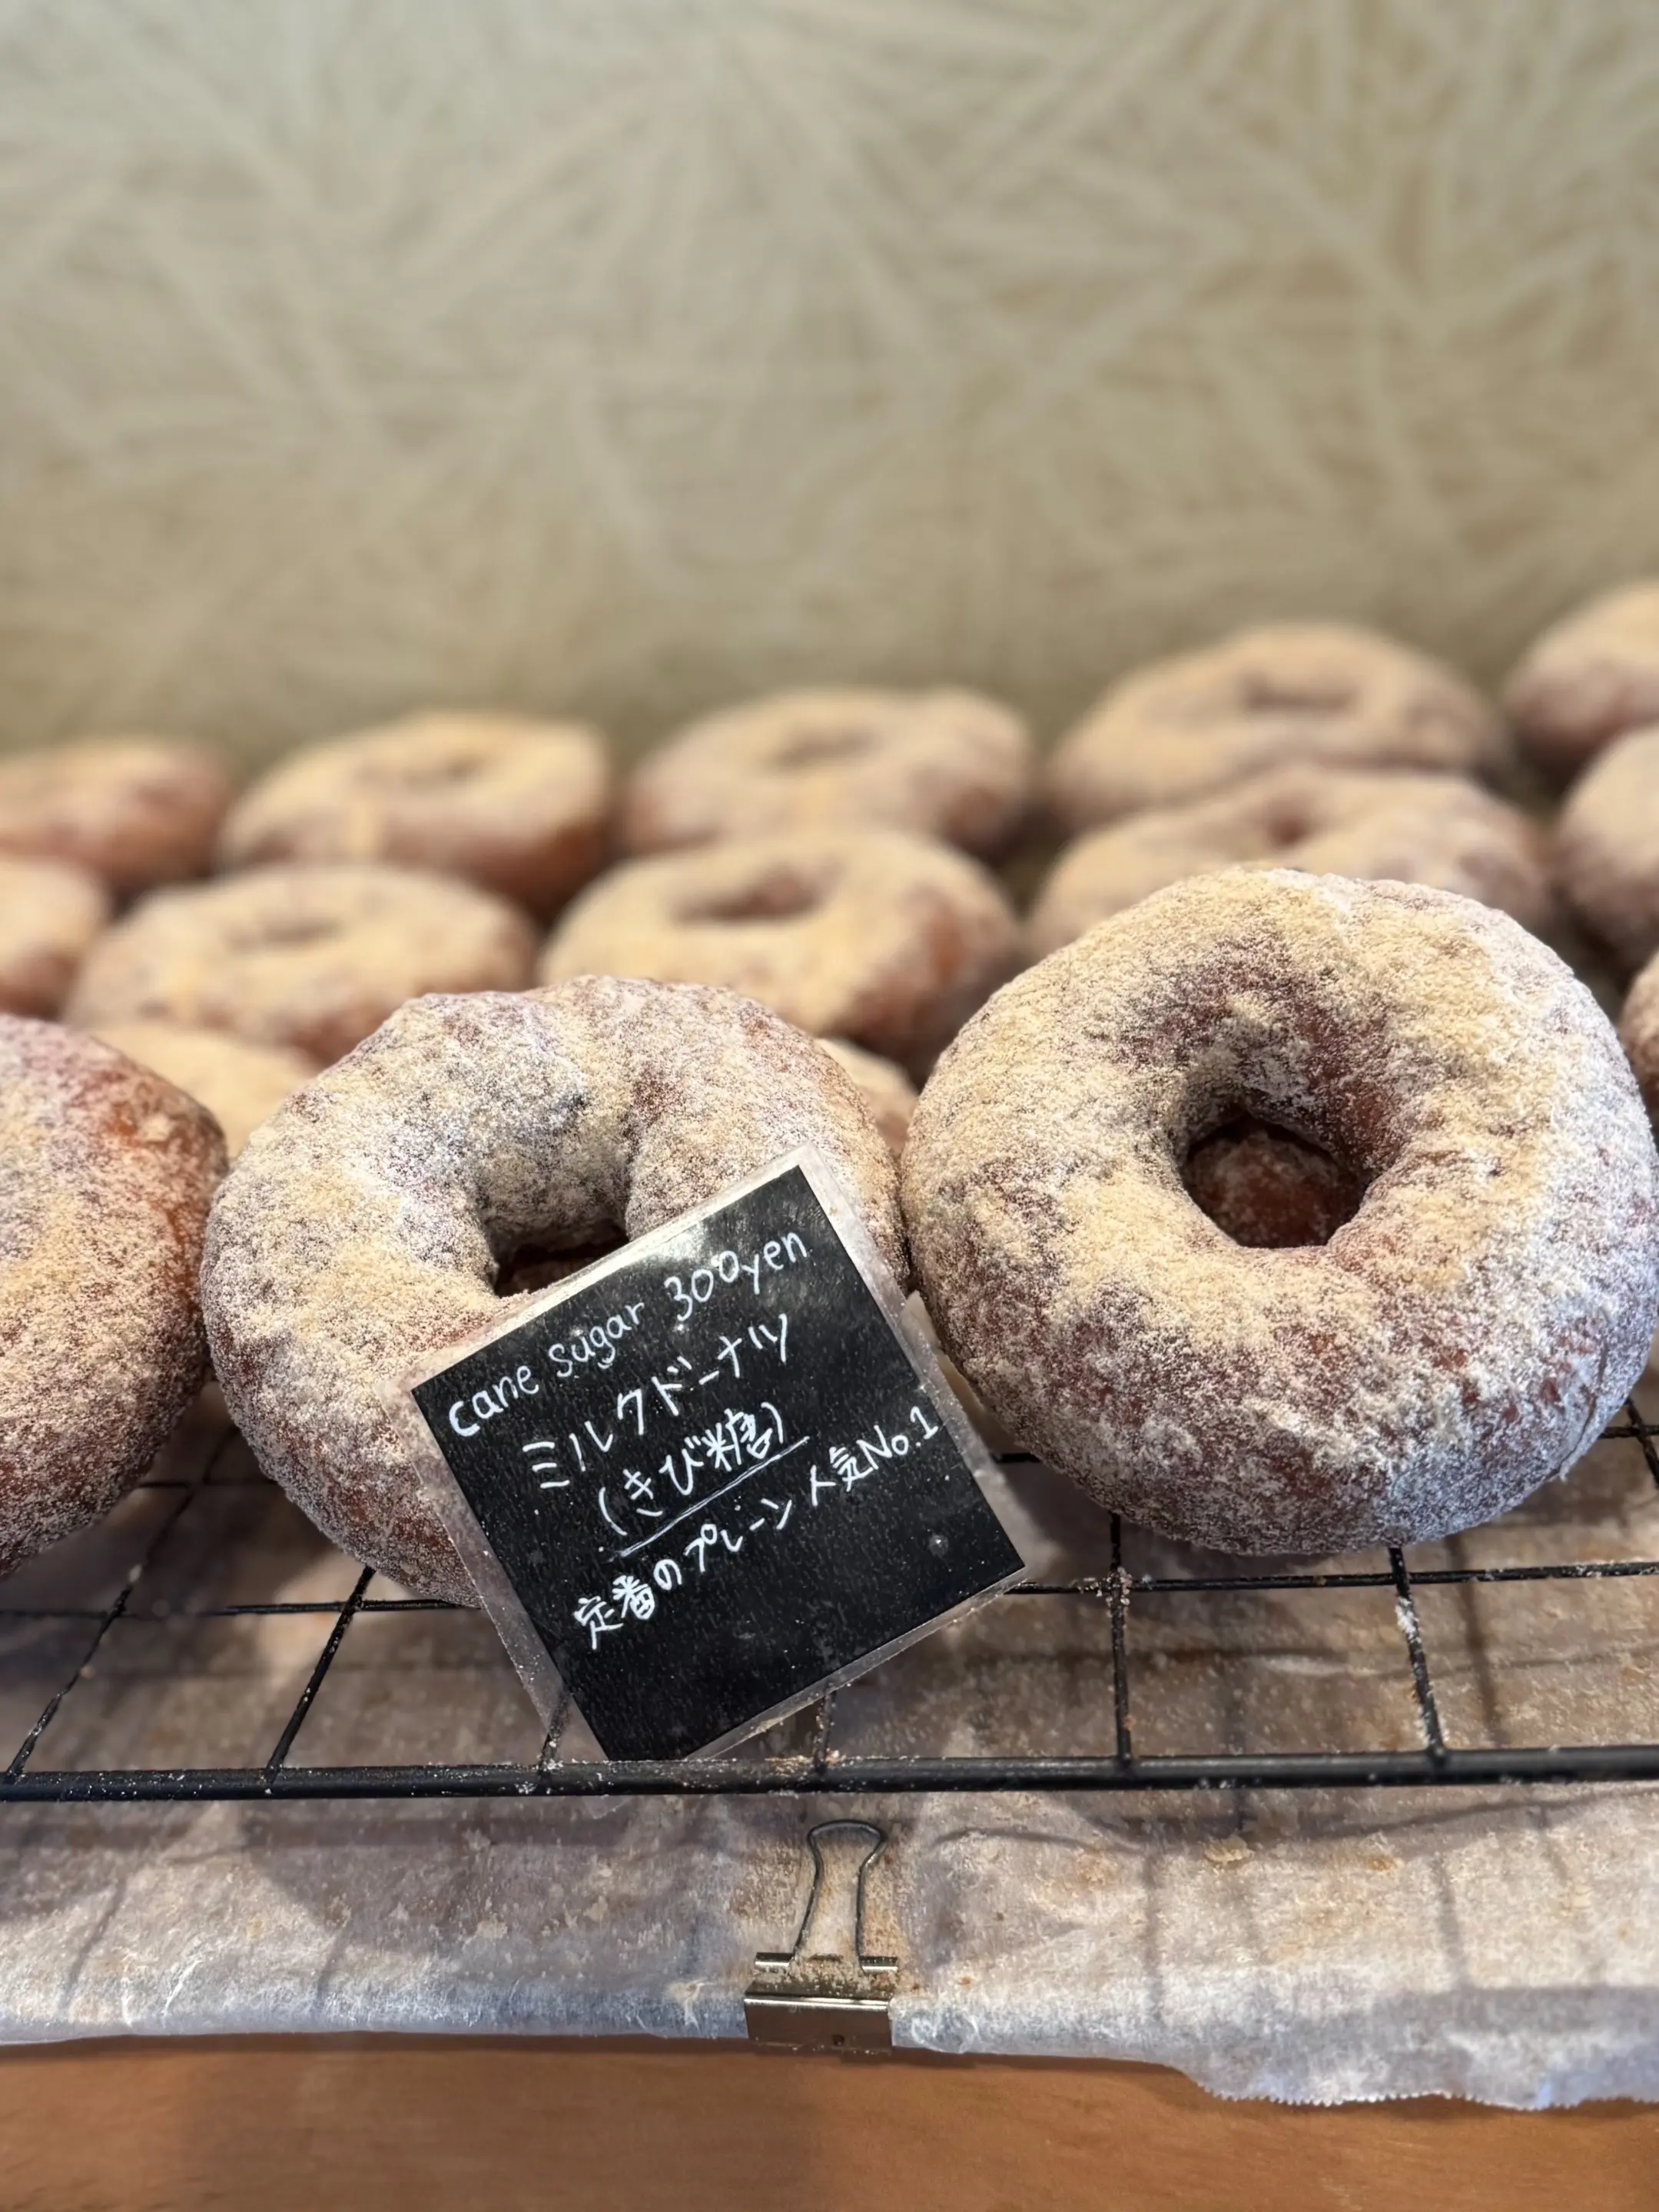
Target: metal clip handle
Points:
x,y
827,1992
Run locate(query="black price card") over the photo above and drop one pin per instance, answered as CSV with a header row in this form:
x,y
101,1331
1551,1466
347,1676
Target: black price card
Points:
x,y
715,1473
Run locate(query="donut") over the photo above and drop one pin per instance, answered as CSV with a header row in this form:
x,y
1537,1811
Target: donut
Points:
x,y
134,811
947,765
1437,830
887,1090
307,955
364,1227
1464,1335
1588,679
240,1084
49,912
105,1175
1288,691
1607,847
1638,1032
876,936
521,808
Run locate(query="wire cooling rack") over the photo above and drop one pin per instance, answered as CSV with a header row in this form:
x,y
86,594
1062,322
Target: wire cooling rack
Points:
x,y
206,1643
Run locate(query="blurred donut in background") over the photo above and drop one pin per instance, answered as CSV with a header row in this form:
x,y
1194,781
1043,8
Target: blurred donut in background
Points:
x,y
948,764
1607,847
1442,831
887,939
49,912
133,811
887,1091
1331,692
241,1085
311,956
520,807
1589,679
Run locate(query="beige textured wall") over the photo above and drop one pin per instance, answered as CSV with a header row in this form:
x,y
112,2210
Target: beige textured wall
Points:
x,y
625,354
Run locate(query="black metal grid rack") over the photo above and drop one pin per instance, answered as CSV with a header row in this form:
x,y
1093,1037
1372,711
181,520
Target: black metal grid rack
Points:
x,y
820,1766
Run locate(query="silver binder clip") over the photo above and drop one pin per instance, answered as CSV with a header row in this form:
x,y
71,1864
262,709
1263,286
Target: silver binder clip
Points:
x,y
827,1993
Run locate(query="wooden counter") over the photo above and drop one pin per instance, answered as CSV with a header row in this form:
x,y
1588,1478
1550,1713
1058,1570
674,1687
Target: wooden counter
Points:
x,y
415,2124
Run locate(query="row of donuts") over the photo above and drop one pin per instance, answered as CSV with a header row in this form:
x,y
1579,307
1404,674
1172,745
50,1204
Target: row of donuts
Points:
x,y
408,859
240,989
1492,1298
411,859
527,809
1320,746
882,938
1331,749
523,808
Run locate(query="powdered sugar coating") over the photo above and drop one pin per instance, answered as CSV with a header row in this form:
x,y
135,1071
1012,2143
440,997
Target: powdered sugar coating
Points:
x,y
885,939
1607,847
1589,678
363,1227
106,1173
1287,691
241,1085
1464,1337
521,807
887,1090
950,765
49,912
311,956
134,811
1437,830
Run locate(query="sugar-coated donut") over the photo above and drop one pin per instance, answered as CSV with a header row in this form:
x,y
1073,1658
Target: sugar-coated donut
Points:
x,y
364,1227
49,912
887,939
134,811
1588,679
1288,691
1437,830
1638,1032
309,956
1464,1336
241,1085
887,1091
521,807
106,1173
948,764
1607,847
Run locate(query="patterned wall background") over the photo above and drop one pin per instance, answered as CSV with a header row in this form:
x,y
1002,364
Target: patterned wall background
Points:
x,y
626,355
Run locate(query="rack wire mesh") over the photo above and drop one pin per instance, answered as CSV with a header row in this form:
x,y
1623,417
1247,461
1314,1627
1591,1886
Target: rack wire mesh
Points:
x,y
205,1643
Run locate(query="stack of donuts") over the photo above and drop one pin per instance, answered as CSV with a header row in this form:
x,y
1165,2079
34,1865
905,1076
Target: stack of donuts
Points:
x,y
1273,1174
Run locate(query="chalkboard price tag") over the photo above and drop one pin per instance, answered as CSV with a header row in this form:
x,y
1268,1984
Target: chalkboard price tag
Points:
x,y
714,1474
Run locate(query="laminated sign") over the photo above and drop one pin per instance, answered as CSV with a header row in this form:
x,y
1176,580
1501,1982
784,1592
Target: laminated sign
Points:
x,y
714,1474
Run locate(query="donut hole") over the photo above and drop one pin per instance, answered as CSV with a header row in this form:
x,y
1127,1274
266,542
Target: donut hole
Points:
x,y
1287,823
815,747
535,1263
434,776
1268,1187
782,896
1271,694
286,933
